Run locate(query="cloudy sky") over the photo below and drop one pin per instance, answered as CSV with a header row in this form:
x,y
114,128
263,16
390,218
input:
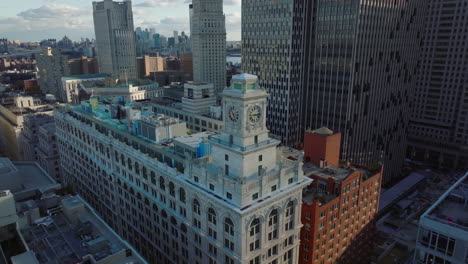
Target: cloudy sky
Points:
x,y
34,20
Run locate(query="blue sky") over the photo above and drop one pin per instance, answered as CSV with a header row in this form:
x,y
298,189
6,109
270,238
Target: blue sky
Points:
x,y
34,20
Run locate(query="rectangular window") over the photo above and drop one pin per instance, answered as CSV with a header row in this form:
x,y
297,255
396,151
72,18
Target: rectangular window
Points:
x,y
260,158
273,188
212,187
226,157
255,196
226,170
229,195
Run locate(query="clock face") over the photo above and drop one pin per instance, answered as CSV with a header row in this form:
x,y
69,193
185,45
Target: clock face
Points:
x,y
233,113
255,114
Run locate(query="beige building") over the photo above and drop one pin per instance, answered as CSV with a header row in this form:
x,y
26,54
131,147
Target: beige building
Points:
x,y
147,65
209,43
12,113
115,38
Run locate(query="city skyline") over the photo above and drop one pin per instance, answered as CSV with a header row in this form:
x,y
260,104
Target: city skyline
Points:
x,y
37,20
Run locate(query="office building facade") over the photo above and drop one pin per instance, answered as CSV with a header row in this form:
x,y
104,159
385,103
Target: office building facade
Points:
x,y
234,202
115,38
338,67
438,131
271,50
208,31
339,207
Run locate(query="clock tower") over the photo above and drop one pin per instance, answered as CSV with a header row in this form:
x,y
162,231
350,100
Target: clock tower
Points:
x,y
244,144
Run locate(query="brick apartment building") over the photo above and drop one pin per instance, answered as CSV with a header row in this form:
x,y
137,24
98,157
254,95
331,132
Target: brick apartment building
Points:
x,y
339,206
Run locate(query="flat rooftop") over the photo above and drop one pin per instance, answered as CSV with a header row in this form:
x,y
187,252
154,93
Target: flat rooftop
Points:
x,y
73,233
22,176
452,206
86,76
194,139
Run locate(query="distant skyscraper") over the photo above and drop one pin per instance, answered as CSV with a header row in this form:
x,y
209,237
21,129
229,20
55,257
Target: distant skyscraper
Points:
x,y
350,63
439,120
209,43
3,45
176,36
115,38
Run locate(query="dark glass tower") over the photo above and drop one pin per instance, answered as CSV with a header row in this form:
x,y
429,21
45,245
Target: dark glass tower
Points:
x,y
439,120
359,75
348,65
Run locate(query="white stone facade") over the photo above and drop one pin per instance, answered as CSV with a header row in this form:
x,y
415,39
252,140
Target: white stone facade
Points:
x,y
115,38
93,84
177,210
209,43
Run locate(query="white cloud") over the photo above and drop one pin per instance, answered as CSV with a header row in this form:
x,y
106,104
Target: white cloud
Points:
x,y
156,3
52,20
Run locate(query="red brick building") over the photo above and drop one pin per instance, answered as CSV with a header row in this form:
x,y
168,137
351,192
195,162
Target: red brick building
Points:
x,y
339,206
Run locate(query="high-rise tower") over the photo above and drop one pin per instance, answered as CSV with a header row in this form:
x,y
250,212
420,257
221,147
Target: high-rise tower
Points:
x,y
270,51
115,38
438,131
347,65
209,42
359,75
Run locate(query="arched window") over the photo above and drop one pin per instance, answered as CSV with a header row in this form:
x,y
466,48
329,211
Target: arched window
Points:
x,y
228,233
173,221
155,207
145,173
196,206
290,209
273,218
164,214
161,183
116,156
255,227
273,224
171,189
212,216
182,195
289,216
228,226
183,227
254,239
122,159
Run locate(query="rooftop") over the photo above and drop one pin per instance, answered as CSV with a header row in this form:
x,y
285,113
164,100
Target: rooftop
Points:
x,y
323,131
22,177
85,76
452,207
194,139
73,232
399,189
